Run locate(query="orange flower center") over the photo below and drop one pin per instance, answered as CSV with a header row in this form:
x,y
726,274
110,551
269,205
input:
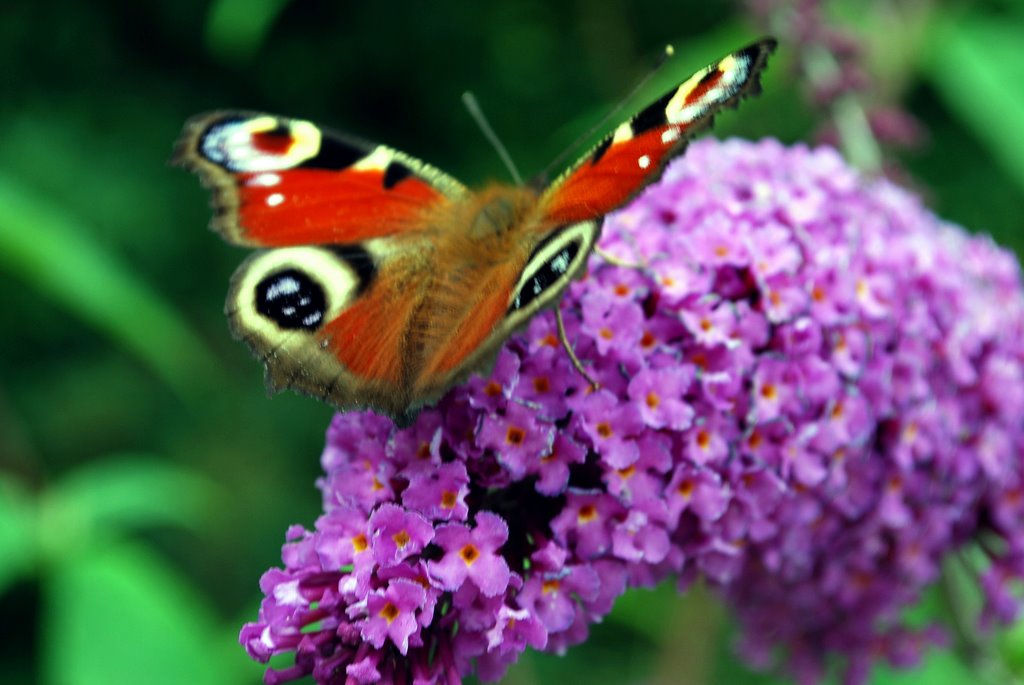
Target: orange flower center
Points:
x,y
469,554
389,612
588,512
515,435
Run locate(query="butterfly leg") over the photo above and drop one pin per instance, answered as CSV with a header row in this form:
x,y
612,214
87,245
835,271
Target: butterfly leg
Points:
x,y
615,261
594,385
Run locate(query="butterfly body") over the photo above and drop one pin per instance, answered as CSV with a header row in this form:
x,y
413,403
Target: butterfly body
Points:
x,y
382,281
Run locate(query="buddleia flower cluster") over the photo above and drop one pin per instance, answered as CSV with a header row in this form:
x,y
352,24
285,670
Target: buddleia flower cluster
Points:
x,y
811,395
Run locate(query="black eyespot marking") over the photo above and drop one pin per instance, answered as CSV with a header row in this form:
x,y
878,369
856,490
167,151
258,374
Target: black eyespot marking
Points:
x,y
653,115
360,260
601,148
710,77
281,130
395,173
550,272
292,300
334,155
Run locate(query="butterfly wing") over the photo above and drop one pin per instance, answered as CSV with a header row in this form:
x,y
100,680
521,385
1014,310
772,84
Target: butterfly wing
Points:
x,y
635,154
279,181
351,227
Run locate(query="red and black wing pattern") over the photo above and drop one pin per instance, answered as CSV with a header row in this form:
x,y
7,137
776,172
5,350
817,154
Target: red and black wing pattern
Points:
x,y
278,181
636,152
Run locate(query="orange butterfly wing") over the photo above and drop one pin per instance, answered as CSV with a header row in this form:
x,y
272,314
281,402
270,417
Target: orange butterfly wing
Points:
x,y
635,154
280,181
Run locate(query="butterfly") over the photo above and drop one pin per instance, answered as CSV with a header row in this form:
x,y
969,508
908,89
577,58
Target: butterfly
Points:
x,y
380,281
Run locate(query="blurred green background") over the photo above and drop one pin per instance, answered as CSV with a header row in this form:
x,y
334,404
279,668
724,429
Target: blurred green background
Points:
x,y
146,480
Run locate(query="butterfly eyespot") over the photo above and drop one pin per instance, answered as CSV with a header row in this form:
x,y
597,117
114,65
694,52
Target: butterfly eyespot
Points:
x,y
544,275
552,265
284,299
292,300
241,144
276,141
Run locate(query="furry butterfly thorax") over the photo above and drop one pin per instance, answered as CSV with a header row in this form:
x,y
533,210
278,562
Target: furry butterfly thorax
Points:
x,y
380,281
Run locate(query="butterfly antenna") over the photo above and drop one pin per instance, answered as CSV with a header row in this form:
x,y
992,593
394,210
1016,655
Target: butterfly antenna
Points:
x,y
557,161
470,101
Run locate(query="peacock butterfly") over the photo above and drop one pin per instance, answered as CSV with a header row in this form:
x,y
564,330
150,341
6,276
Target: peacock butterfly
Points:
x,y
382,281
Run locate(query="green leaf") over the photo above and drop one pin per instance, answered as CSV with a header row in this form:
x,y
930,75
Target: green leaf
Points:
x,y
975,64
17,547
1011,648
105,499
55,254
939,667
120,616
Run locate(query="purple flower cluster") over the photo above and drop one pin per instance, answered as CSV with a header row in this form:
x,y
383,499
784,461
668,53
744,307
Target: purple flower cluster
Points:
x,y
812,393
